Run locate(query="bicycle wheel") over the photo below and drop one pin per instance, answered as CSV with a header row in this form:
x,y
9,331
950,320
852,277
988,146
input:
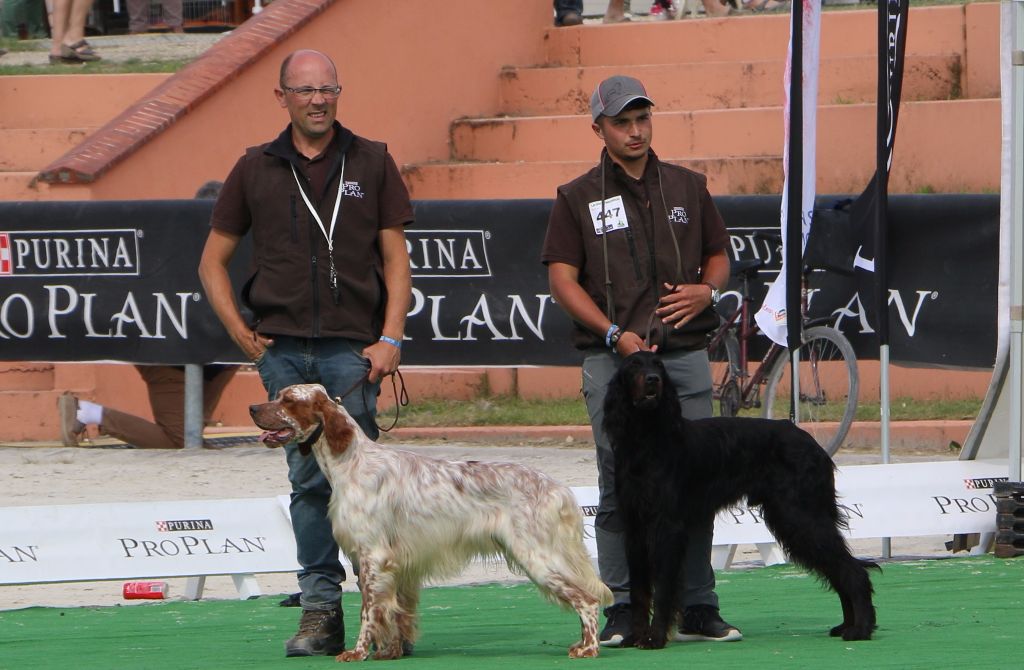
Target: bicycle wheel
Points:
x,y
829,383
724,355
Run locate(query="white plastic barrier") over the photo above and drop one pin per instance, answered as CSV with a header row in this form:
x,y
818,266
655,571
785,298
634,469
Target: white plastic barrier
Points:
x,y
195,538
896,500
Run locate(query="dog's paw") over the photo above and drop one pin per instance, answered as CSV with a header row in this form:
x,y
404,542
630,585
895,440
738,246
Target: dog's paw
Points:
x,y
852,633
351,655
837,631
651,641
580,650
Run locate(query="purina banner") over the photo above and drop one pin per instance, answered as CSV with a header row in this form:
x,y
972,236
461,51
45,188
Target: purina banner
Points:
x,y
228,537
59,543
117,281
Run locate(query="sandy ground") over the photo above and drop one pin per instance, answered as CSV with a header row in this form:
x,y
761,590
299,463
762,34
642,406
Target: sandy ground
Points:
x,y
122,48
48,475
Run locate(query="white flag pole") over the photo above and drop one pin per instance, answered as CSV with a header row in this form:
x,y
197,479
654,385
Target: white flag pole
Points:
x,y
1013,190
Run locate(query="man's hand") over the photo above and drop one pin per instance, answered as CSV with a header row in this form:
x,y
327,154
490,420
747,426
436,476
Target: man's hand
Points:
x,y
682,303
630,343
252,344
384,359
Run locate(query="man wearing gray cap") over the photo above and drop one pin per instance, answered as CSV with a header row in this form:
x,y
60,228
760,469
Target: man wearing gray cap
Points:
x,y
636,254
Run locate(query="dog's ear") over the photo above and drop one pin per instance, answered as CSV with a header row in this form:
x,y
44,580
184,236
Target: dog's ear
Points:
x,y
337,431
617,405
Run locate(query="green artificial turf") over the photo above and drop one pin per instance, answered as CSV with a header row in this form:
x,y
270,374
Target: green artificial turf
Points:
x,y
964,612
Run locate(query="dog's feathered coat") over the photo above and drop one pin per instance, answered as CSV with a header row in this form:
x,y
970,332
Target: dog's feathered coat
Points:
x,y
406,518
670,471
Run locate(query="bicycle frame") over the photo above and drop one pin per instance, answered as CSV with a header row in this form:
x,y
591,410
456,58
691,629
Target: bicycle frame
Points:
x,y
746,328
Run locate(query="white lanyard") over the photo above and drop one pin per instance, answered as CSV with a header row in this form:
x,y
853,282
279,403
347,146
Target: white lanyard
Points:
x,y
328,234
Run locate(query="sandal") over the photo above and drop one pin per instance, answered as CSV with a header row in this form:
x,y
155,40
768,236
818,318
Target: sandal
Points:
x,y
766,6
79,51
83,48
63,60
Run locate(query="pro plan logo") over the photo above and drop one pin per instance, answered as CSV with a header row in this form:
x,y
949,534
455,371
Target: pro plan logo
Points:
x,y
69,253
5,254
678,215
184,525
984,483
352,189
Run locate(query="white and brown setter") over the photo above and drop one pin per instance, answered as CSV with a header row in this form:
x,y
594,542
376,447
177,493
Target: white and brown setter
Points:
x,y
670,471
405,518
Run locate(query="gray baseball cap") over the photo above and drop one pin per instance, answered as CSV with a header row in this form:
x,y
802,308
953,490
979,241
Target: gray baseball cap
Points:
x,y
613,94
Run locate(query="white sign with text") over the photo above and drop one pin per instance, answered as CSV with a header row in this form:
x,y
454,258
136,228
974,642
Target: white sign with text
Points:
x,y
60,543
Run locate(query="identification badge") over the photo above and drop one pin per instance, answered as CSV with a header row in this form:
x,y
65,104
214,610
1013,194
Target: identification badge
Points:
x,y
612,216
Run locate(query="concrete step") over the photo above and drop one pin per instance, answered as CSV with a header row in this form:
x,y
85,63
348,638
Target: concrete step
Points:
x,y
722,133
756,131
21,186
750,37
538,91
30,414
533,167
738,175
28,149
49,101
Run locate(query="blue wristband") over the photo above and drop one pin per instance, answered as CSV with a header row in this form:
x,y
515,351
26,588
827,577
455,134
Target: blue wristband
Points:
x,y
392,341
608,336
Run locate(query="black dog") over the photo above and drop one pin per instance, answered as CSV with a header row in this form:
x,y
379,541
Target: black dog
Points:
x,y
670,471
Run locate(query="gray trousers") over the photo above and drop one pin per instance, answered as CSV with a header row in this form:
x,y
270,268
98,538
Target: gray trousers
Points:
x,y
691,374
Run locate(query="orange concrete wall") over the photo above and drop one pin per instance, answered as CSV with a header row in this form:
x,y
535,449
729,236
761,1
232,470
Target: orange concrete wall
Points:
x,y
96,99
407,69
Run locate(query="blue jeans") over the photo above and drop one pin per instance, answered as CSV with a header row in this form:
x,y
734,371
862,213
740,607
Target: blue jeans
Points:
x,y
337,364
691,374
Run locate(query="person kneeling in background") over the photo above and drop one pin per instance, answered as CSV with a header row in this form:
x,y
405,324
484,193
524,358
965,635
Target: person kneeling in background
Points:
x,y
166,385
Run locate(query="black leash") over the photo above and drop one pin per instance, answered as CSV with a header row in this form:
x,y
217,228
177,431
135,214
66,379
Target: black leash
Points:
x,y
347,393
401,399
401,396
650,321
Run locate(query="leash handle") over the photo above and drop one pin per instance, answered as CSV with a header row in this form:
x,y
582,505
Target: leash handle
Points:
x,y
400,392
401,399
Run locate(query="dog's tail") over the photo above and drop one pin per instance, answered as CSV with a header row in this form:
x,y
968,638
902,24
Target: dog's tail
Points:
x,y
577,559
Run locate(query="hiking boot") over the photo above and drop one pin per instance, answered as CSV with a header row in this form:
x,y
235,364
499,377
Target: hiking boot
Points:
x,y
703,623
618,627
70,427
321,633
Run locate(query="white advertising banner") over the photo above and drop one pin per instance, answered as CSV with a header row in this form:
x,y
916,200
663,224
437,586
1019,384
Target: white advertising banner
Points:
x,y
901,500
62,543
58,543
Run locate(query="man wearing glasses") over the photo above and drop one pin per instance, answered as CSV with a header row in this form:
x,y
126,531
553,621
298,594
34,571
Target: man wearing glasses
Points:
x,y
328,296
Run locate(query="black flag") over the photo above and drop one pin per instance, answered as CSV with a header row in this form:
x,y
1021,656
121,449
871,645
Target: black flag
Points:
x,y
869,212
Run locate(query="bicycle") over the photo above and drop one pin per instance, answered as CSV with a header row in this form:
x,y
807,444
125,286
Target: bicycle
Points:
x,y
827,369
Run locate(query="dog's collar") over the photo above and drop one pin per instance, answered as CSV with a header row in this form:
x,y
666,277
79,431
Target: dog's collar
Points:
x,y
311,440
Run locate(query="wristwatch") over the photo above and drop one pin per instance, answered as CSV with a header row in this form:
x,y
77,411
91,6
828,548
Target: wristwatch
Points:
x,y
614,338
716,295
